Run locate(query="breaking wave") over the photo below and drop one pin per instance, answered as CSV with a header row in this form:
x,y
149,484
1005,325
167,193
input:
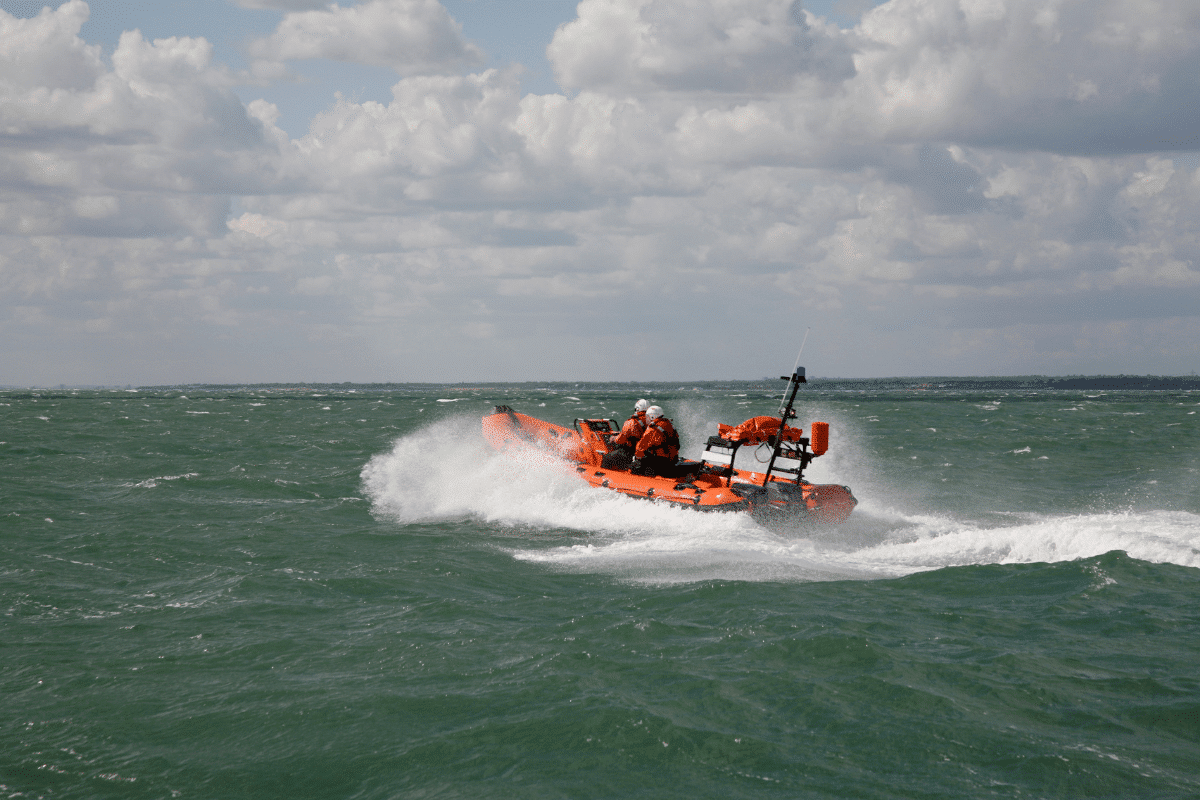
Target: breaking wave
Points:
x,y
446,472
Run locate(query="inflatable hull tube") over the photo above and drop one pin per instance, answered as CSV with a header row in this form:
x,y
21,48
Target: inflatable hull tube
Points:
x,y
695,485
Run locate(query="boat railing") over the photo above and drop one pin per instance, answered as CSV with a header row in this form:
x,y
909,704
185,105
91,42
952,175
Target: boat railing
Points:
x,y
721,453
789,456
791,461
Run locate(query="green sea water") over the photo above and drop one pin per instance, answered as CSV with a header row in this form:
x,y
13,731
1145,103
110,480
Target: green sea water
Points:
x,y
340,592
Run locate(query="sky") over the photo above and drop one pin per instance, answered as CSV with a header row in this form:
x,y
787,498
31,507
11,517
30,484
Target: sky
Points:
x,y
254,191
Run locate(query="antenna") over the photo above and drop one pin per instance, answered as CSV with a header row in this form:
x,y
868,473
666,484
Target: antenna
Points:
x,y
796,366
803,342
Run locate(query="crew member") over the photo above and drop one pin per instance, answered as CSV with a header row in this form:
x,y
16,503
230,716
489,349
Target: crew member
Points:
x,y
621,454
659,446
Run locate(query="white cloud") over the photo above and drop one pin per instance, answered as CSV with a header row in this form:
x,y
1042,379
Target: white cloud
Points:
x,y
435,125
284,5
412,37
26,41
713,45
1102,77
155,137
929,190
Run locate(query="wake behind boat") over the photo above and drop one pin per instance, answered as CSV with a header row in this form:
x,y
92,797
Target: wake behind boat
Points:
x,y
778,494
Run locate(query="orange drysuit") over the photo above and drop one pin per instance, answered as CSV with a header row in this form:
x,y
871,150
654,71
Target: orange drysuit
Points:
x,y
660,440
632,431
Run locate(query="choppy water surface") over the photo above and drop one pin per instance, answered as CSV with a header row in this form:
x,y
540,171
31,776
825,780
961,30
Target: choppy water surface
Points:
x,y
341,592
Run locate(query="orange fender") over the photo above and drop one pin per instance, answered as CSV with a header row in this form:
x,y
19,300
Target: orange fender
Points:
x,y
820,438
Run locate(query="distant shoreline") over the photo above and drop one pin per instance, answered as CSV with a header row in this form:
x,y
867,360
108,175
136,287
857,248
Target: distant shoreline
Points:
x,y
1024,382
1111,382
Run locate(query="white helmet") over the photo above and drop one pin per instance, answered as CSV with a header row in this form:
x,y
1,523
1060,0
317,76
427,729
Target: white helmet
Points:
x,y
641,405
653,412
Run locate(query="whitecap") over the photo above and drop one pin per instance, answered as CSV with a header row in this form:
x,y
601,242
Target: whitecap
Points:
x,y
541,513
150,483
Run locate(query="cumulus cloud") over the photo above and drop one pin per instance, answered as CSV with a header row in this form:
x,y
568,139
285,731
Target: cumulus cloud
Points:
x,y
711,45
135,150
412,37
951,186
26,41
283,5
1102,77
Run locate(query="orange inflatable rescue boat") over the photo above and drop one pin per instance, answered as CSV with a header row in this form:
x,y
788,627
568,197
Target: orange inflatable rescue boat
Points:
x,y
777,494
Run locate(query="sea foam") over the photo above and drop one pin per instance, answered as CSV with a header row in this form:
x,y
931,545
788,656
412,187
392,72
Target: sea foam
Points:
x,y
445,471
